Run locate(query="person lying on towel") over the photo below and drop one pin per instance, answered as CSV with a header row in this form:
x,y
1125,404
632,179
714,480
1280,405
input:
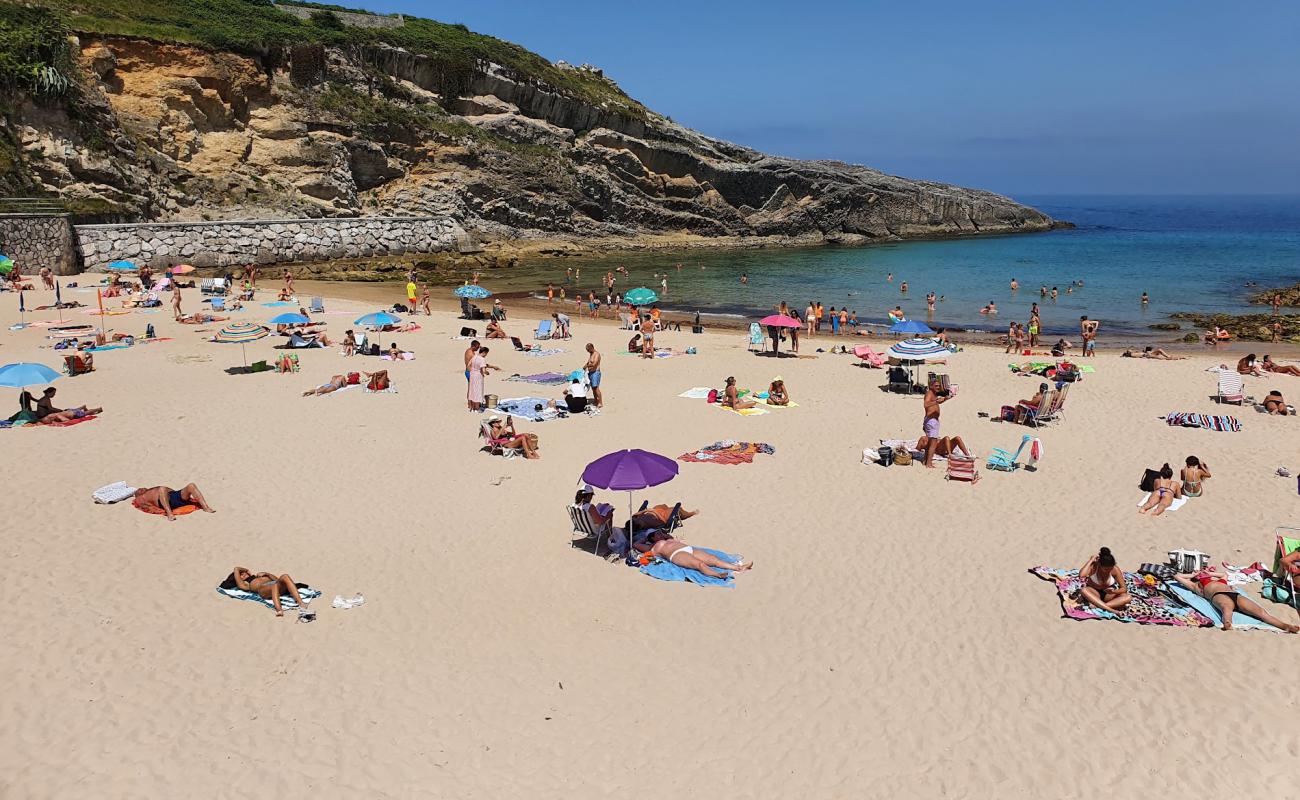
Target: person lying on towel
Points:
x,y
658,516
675,551
46,411
268,586
165,499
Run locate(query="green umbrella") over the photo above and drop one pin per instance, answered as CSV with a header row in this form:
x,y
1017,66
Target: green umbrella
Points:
x,y
641,297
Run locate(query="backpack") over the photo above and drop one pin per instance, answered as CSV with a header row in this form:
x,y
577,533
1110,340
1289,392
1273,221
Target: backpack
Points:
x,y
713,396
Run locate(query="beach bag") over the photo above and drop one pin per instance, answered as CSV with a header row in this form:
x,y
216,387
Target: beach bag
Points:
x,y
1161,572
1008,414
1188,561
532,440
490,400
1275,591
902,456
713,396
469,333
886,456
1148,482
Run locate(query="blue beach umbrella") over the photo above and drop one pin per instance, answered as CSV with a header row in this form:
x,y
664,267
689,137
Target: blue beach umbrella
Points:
x,y
640,297
911,326
290,318
26,373
121,266
472,292
6,264
377,320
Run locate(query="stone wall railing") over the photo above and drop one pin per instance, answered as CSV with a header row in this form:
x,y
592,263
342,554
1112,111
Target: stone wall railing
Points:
x,y
237,242
34,241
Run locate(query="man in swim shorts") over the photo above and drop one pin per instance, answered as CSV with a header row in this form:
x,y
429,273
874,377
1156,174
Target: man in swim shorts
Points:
x,y
935,396
593,373
165,499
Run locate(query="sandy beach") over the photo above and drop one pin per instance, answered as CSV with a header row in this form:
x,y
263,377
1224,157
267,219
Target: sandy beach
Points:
x,y
889,641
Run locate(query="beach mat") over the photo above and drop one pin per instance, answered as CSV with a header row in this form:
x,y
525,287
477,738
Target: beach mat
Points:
x,y
70,422
756,411
1239,621
179,511
1149,606
1209,422
286,602
664,570
1178,503
728,452
697,393
545,378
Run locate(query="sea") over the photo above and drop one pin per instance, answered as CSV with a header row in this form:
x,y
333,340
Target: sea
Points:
x,y
1188,253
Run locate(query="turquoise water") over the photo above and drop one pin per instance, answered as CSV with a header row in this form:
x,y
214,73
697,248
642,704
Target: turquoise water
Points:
x,y
1187,253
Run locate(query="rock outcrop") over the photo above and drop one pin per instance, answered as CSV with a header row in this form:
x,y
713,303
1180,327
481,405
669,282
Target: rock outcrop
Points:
x,y
185,133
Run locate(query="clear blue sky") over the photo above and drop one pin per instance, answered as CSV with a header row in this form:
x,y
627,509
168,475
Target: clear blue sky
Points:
x,y
1048,96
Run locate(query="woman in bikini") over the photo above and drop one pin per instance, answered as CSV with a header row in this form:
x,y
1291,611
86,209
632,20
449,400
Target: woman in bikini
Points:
x,y
683,555
731,397
1104,582
1272,366
268,587
1275,403
777,394
1211,584
1192,475
1163,494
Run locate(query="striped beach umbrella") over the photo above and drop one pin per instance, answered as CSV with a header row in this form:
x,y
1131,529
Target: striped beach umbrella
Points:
x,y
241,333
472,292
917,350
640,297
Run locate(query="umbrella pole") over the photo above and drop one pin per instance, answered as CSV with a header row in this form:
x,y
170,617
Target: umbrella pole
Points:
x,y
631,561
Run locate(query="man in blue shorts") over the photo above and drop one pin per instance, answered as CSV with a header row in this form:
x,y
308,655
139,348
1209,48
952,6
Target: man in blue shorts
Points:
x,y
593,373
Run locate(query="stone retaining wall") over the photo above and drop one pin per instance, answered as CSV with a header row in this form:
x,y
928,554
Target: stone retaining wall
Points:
x,y
237,242
39,240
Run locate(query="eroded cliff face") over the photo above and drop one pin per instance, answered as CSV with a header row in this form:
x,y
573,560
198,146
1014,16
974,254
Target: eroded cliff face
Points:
x,y
184,133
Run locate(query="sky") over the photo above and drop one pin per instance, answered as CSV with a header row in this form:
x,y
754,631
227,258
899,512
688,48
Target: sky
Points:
x,y
1023,98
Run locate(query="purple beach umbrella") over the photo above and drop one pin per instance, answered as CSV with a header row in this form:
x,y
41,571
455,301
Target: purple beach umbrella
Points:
x,y
628,471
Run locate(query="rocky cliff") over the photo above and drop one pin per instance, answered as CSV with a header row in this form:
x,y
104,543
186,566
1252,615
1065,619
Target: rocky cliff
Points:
x,y
169,131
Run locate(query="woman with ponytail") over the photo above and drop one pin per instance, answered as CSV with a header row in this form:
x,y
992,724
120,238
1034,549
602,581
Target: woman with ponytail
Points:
x,y
1104,582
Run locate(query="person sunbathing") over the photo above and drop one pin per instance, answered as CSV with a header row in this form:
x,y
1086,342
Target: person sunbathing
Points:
x,y
1033,403
268,586
675,551
1247,366
199,318
165,499
777,394
1274,403
731,397
335,383
1157,353
68,415
1104,582
1272,366
1212,584
45,410
349,343
494,331
658,516
378,381
1192,475
505,435
1291,564
940,446
1164,492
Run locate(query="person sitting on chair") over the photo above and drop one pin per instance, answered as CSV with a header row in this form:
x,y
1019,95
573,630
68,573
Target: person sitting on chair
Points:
x,y
504,434
599,513
653,517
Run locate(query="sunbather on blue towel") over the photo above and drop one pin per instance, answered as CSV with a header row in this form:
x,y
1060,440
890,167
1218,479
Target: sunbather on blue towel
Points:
x,y
677,552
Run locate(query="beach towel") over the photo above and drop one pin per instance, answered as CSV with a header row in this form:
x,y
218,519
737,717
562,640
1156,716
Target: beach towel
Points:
x,y
1178,503
1209,422
664,570
278,304
756,411
1239,621
179,511
697,393
525,408
70,422
550,351
403,357
101,348
286,602
728,451
1149,606
113,493
548,378
910,444
390,390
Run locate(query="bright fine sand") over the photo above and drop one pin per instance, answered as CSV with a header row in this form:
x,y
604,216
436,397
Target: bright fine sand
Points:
x,y
888,643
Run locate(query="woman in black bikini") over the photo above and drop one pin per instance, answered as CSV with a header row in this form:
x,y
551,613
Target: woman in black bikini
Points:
x,y
1211,584
268,586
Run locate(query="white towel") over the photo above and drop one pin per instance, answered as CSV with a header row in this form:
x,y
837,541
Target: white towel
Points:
x,y
1174,506
113,493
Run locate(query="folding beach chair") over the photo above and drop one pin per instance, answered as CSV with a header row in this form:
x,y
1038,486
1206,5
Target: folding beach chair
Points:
x,y
205,286
317,305
873,359
219,286
218,304
899,380
625,321
1034,415
1006,460
962,468
582,524
543,330
756,339
1231,389
78,364
1288,541
497,447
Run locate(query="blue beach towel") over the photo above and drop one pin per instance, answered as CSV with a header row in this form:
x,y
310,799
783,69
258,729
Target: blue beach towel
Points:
x,y
278,304
1207,608
665,570
286,602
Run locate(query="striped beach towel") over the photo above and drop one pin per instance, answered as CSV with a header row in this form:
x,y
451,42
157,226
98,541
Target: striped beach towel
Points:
x,y
1210,422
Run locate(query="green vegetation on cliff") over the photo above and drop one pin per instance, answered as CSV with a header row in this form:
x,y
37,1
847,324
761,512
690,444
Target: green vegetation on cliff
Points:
x,y
258,27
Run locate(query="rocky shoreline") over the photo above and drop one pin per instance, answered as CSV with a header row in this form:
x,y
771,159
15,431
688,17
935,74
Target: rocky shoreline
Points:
x,y
1244,327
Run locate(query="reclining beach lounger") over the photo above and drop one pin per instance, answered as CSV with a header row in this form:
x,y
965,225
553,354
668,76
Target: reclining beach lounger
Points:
x,y
1231,388
543,330
1006,460
582,524
962,468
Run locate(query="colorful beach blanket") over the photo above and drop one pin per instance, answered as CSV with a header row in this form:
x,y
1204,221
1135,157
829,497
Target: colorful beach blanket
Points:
x,y
1149,606
664,570
546,378
550,351
728,451
526,408
1209,422
286,602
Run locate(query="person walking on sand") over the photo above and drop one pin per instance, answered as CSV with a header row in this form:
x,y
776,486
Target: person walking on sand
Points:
x,y
288,282
810,316
176,300
593,373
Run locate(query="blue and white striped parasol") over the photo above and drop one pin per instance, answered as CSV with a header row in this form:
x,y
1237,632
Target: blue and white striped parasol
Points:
x,y
917,350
